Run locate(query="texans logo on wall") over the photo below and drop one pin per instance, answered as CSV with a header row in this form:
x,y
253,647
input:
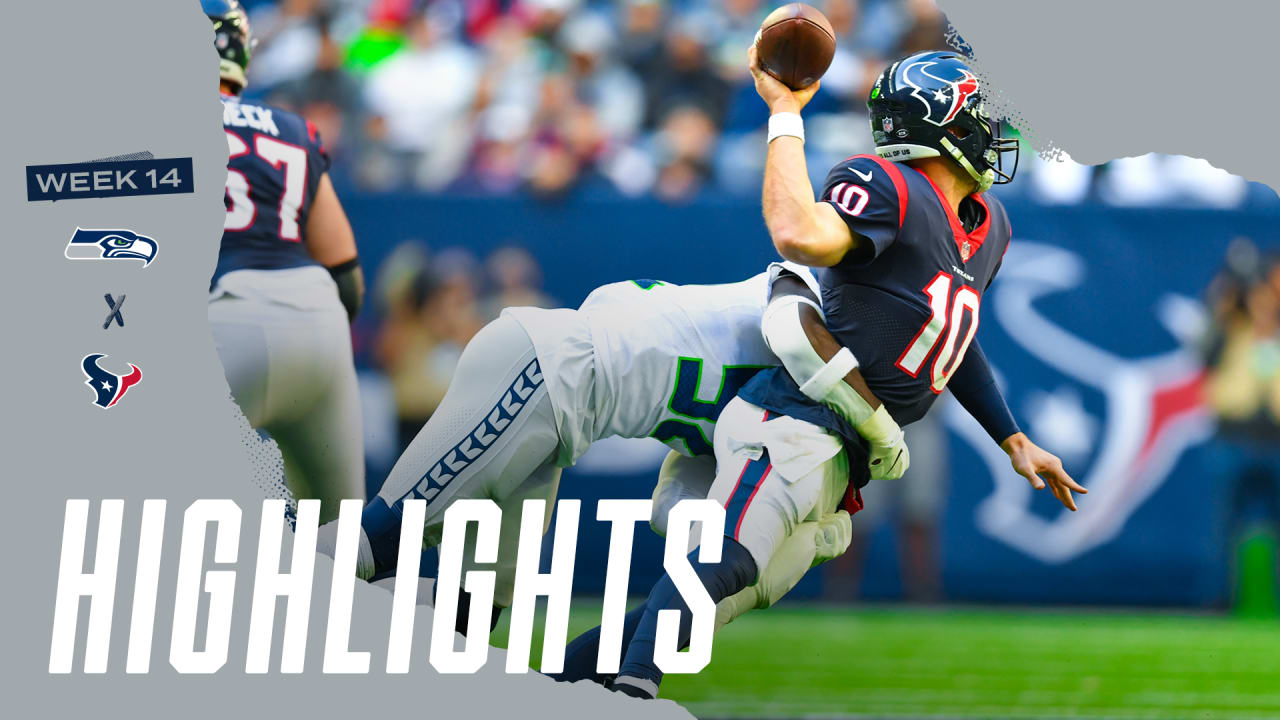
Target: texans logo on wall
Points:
x,y
108,387
1151,413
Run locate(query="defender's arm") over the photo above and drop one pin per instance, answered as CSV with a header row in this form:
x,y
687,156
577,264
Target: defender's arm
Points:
x,y
821,341
828,372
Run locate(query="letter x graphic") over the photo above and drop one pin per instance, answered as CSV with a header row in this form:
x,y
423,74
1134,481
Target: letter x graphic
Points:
x,y
115,306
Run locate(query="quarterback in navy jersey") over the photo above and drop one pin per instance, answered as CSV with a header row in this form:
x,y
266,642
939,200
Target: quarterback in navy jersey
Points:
x,y
286,286
906,241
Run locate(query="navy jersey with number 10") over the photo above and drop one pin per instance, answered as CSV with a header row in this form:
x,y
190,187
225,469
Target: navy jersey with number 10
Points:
x,y
274,168
908,306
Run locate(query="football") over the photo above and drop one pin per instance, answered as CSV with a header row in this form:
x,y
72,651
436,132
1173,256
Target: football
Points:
x,y
795,44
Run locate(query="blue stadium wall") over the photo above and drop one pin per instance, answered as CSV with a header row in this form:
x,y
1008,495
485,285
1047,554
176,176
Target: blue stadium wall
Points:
x,y
1082,326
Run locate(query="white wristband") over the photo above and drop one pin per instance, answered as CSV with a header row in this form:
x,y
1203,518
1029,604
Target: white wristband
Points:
x,y
785,123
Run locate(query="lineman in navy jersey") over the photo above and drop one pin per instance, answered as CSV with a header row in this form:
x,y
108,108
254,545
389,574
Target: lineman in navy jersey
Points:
x,y
907,242
286,285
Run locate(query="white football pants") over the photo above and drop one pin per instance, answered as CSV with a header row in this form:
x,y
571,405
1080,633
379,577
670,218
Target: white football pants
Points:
x,y
494,436
285,346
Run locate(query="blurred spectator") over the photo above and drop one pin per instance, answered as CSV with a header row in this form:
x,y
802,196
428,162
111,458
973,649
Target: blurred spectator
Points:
x,y
426,325
641,43
740,19
550,96
288,42
508,99
546,16
420,99
914,505
685,76
1242,350
684,147
926,28
381,37
515,281
567,145
326,95
614,93
852,72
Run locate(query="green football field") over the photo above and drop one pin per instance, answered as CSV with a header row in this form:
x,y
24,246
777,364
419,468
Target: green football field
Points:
x,y
815,661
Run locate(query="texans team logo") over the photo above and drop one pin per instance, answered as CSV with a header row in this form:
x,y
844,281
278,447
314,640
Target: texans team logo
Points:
x,y
107,386
111,245
1154,414
941,105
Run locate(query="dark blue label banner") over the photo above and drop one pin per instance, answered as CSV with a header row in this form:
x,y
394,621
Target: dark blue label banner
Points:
x,y
161,176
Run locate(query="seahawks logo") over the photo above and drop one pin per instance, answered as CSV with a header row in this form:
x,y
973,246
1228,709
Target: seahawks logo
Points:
x,y
110,245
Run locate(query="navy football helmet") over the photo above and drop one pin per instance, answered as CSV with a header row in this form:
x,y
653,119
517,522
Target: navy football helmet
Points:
x,y
232,38
930,104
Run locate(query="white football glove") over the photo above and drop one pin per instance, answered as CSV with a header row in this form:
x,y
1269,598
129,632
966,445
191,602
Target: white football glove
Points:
x,y
889,455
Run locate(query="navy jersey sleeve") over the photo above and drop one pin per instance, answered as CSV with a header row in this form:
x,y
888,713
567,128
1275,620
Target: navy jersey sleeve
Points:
x,y
317,158
308,137
869,198
316,149
974,386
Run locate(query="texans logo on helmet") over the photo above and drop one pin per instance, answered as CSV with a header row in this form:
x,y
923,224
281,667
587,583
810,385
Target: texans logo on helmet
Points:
x,y
941,106
111,245
107,387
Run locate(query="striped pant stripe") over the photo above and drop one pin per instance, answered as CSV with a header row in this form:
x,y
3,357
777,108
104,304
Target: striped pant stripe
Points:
x,y
749,482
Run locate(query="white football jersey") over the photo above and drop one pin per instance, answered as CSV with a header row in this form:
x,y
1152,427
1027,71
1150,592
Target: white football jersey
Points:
x,y
666,359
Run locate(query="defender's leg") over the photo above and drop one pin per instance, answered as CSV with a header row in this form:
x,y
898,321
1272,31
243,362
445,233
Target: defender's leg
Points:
x,y
494,428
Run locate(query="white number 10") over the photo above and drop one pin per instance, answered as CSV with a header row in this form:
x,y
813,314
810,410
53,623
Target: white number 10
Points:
x,y
949,357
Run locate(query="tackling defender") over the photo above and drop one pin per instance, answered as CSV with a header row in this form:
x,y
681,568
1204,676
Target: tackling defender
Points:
x,y
908,242
536,387
287,284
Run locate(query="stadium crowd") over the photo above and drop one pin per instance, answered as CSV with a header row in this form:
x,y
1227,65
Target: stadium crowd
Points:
x,y
636,97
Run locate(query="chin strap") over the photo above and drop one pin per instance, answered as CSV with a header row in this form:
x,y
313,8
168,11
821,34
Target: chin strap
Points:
x,y
984,179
